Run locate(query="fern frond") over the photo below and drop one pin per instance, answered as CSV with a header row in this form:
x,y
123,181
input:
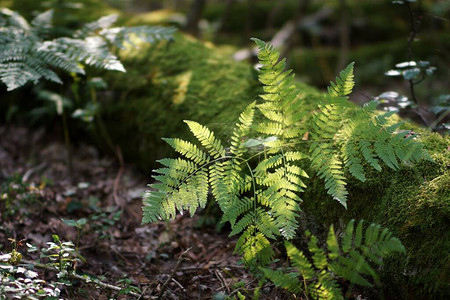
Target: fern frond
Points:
x,y
326,287
353,261
287,281
318,255
325,158
299,261
280,94
182,185
254,247
92,28
346,136
377,141
362,248
25,54
241,130
344,83
42,23
262,202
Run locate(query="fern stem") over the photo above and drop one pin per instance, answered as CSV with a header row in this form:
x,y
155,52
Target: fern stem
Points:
x,y
255,202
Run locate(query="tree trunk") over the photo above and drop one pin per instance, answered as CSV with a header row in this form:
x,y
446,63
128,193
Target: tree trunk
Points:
x,y
248,21
224,17
194,17
344,36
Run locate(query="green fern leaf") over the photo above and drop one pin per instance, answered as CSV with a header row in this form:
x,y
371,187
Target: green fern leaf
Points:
x,y
300,262
283,280
206,137
344,83
326,287
318,255
189,150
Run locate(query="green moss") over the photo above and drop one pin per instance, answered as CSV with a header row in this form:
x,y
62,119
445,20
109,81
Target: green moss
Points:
x,y
414,203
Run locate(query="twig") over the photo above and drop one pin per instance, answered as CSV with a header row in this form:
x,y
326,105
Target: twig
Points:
x,y
119,175
222,280
179,284
180,259
238,289
85,279
196,268
143,292
28,173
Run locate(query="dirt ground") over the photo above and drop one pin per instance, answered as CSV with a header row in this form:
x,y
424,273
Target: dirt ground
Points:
x,y
113,241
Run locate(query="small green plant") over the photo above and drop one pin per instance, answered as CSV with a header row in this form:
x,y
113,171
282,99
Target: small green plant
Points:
x,y
259,193
99,222
62,256
128,286
19,280
351,259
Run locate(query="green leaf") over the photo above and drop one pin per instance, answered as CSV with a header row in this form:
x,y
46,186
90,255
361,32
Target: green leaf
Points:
x,y
72,223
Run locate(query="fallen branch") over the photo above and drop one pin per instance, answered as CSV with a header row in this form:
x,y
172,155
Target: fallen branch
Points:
x,y
202,267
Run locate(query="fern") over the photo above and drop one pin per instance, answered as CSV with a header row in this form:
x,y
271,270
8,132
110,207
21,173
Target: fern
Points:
x,y
354,260
347,137
26,55
259,194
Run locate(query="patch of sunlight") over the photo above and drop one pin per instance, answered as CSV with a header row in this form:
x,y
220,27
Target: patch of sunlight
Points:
x,y
180,93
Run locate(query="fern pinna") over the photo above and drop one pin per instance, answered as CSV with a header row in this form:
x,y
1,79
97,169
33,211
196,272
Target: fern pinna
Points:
x,y
259,194
352,259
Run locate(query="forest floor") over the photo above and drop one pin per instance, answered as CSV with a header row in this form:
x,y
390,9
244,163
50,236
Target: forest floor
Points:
x,y
116,247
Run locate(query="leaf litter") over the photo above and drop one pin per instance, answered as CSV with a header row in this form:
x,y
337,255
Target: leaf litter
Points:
x,y
112,240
